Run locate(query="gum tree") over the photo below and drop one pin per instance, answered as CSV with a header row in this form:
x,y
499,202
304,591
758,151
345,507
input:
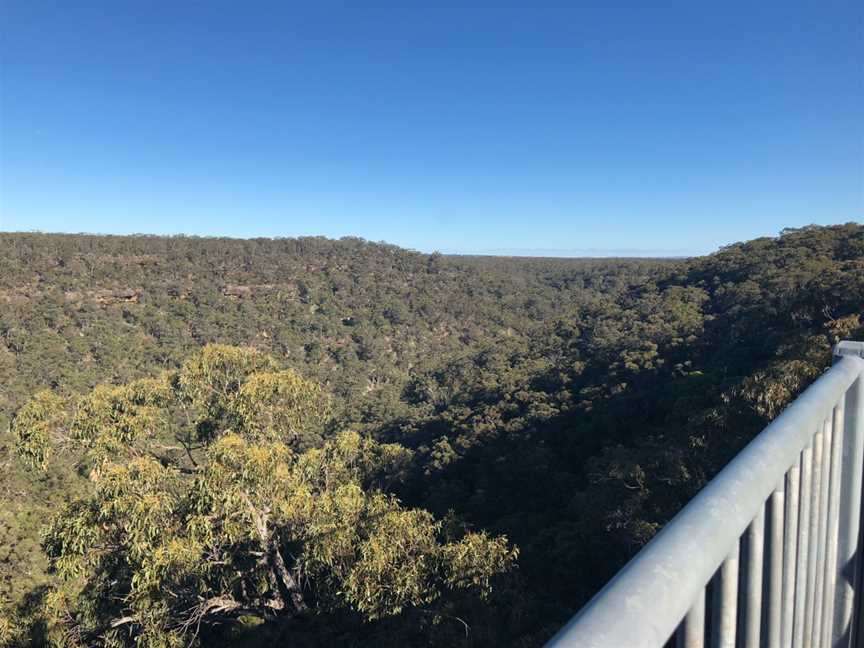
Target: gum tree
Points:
x,y
213,497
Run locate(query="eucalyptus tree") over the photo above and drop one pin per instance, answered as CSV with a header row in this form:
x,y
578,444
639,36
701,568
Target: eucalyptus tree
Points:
x,y
213,497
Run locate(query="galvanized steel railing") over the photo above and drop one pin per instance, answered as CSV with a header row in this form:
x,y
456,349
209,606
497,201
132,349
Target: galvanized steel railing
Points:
x,y
766,554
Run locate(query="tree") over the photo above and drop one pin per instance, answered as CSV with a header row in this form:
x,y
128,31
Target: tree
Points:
x,y
184,530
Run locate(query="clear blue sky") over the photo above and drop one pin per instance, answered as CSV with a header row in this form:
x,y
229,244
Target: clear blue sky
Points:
x,y
660,128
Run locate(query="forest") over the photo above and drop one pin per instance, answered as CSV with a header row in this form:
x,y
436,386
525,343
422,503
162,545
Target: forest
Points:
x,y
226,442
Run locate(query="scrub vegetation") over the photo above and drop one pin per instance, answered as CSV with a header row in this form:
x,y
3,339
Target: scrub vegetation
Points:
x,y
235,442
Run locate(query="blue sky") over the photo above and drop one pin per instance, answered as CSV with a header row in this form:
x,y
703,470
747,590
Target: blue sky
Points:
x,y
568,128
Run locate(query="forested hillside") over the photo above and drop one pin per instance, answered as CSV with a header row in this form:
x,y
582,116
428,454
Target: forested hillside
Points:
x,y
549,414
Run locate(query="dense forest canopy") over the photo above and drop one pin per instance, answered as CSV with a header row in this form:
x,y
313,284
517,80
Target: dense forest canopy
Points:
x,y
507,432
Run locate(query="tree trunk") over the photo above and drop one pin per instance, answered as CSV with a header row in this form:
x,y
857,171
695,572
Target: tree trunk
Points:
x,y
287,580
287,586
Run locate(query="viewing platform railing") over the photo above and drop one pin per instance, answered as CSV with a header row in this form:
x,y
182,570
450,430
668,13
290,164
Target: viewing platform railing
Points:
x,y
766,554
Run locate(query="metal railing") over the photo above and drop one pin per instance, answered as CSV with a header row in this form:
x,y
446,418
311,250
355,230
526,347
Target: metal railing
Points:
x,y
766,553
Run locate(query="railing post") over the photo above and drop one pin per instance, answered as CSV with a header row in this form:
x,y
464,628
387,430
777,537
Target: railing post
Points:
x,y
725,603
753,559
801,584
850,505
692,631
814,541
774,590
833,529
790,552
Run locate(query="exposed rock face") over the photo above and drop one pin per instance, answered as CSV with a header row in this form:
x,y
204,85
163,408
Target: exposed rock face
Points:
x,y
116,296
237,291
119,259
252,290
25,293
14,296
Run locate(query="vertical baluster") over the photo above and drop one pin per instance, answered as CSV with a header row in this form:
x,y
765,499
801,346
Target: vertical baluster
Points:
x,y
832,531
790,553
801,563
752,568
775,568
691,633
813,541
850,510
725,602
822,548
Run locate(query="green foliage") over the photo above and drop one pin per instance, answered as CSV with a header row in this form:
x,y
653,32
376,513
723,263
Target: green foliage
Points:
x,y
211,380
112,420
35,424
160,546
573,405
282,405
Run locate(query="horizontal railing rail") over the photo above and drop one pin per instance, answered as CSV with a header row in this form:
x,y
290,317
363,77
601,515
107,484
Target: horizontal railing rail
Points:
x,y
765,554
